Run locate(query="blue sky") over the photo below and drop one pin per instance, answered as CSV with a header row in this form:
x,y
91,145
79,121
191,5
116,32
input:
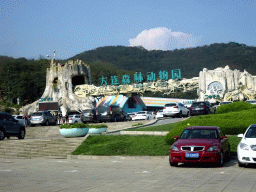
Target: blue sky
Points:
x,y
30,28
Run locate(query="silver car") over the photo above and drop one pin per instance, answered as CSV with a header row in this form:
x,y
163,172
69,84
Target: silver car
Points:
x,y
42,118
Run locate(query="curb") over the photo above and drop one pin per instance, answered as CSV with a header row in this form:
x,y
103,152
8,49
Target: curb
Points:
x,y
156,133
132,127
94,157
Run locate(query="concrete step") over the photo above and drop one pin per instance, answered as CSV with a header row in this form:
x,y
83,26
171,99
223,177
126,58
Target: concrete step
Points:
x,y
39,142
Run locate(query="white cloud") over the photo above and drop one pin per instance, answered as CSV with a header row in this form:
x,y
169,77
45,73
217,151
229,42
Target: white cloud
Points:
x,y
162,38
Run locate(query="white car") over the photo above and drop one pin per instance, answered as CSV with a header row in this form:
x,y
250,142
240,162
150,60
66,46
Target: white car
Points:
x,y
75,118
225,102
251,101
160,114
20,119
175,109
143,115
246,149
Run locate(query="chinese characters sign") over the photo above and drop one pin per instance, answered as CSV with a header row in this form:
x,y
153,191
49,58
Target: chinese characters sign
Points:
x,y
138,77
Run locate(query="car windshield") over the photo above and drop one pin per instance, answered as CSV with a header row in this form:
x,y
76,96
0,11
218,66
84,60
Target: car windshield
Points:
x,y
36,114
141,112
198,104
170,105
251,133
199,134
222,103
18,117
252,102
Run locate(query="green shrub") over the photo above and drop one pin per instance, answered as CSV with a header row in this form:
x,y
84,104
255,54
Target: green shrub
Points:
x,y
137,124
97,126
236,106
231,123
76,125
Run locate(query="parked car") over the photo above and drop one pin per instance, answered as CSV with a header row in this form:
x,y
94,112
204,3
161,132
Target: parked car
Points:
x,y
20,119
75,118
175,110
246,149
201,108
225,102
110,113
89,115
200,144
160,114
127,117
251,101
144,115
132,115
42,118
10,127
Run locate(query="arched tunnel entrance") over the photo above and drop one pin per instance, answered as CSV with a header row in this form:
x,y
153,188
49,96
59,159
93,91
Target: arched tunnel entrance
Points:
x,y
78,80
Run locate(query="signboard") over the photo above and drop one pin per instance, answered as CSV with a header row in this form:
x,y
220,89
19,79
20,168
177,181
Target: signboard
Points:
x,y
48,106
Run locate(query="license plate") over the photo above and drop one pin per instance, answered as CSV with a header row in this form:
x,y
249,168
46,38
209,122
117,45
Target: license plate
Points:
x,y
192,155
198,109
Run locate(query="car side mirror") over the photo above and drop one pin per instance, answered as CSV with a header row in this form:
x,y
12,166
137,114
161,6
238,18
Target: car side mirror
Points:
x,y
176,137
223,137
240,135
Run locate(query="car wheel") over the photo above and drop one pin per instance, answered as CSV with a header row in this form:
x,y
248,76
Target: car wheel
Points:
x,y
173,164
188,114
180,114
240,164
115,119
32,125
228,156
21,134
2,135
221,160
148,118
47,123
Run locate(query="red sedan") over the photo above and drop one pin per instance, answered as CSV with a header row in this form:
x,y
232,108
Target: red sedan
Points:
x,y
200,144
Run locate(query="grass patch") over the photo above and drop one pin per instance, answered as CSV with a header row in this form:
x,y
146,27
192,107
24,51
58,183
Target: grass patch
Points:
x,y
137,124
233,140
166,127
126,145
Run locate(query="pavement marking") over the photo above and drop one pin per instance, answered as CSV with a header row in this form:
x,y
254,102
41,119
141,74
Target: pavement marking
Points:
x,y
115,161
222,173
143,172
71,171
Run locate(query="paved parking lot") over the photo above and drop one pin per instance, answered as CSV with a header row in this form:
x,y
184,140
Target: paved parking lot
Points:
x,y
121,175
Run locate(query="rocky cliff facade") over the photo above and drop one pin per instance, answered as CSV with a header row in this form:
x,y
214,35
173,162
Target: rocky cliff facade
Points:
x,y
60,82
223,84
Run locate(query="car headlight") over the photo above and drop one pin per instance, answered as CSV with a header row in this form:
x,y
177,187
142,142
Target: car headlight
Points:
x,y
213,148
244,146
174,148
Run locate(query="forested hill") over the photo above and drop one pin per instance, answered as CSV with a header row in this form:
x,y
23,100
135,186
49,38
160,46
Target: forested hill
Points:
x,y
191,61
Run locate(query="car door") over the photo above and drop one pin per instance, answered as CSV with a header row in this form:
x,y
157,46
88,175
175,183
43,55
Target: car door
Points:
x,y
224,142
10,124
50,117
183,109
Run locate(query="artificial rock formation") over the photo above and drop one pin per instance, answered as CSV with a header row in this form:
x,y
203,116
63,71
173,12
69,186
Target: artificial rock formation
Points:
x,y
60,82
70,86
223,84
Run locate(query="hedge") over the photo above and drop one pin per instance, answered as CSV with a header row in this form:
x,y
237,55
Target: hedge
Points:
x,y
231,123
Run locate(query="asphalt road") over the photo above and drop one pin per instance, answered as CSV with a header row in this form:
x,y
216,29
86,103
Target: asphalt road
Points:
x,y
122,175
